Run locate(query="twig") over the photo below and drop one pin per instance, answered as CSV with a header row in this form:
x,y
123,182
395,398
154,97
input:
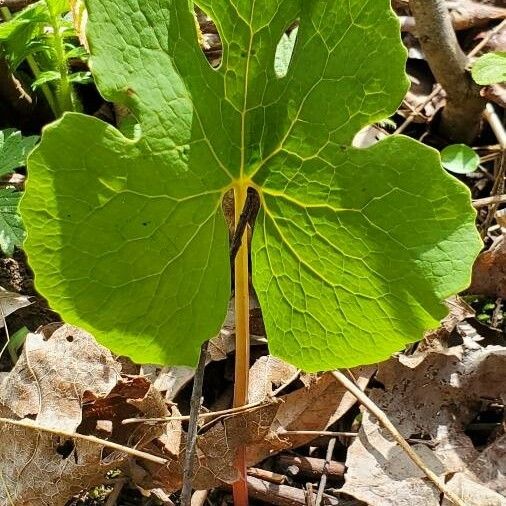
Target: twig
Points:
x,y
92,439
499,165
317,433
488,201
311,466
389,426
191,438
496,125
266,475
461,117
415,112
323,478
185,418
281,495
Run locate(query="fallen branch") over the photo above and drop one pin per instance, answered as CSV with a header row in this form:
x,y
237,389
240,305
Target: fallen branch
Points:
x,y
461,117
389,426
281,495
312,467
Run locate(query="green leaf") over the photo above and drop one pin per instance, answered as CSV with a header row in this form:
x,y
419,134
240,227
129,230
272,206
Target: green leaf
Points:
x,y
354,249
46,77
490,68
14,149
11,226
81,77
460,159
20,35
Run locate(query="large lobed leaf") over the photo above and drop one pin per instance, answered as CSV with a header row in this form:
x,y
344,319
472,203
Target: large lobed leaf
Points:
x,y
354,249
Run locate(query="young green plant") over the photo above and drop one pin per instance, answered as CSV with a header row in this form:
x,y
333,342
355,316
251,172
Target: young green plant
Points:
x,y
354,250
42,36
14,149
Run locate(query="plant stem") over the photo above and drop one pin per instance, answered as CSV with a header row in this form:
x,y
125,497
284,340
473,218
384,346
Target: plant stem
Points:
x,y
30,60
240,487
191,438
461,117
389,426
64,94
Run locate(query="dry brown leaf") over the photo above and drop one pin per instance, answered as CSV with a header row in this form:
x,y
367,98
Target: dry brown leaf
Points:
x,y
433,401
171,380
214,461
472,492
41,469
54,377
490,466
437,340
381,474
10,302
266,372
489,271
313,408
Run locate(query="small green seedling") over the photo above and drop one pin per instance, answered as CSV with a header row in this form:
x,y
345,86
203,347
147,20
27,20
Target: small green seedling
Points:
x,y
460,159
490,68
44,37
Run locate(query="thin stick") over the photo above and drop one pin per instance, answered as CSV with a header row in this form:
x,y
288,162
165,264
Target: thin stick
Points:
x,y
488,201
416,111
242,345
191,438
317,433
91,439
323,478
389,426
184,418
495,124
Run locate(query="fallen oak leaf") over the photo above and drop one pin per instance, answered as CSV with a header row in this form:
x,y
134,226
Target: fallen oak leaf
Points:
x,y
54,376
43,461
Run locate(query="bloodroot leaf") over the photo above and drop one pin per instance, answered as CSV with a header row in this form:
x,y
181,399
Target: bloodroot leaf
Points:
x,y
354,249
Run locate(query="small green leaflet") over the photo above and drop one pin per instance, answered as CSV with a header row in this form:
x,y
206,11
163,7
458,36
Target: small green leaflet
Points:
x,y
490,68
14,149
354,249
460,159
13,152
